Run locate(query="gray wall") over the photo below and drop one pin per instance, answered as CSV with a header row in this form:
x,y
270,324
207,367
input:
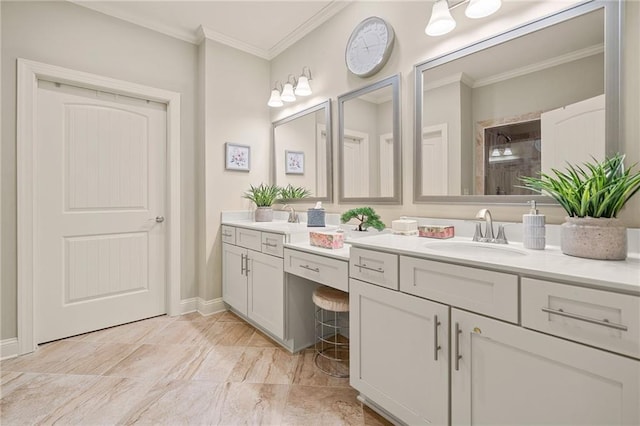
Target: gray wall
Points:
x,y
63,34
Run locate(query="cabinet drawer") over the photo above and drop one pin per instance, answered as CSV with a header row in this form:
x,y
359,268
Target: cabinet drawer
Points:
x,y
374,267
272,244
228,234
490,293
248,238
599,318
331,272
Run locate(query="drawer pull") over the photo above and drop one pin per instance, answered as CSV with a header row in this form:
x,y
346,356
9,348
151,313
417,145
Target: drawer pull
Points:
x,y
227,234
368,268
436,346
457,355
604,322
310,268
270,245
242,264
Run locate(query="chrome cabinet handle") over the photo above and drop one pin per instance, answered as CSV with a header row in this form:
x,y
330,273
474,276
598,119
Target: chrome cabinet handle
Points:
x,y
605,322
457,355
368,268
436,346
310,268
269,245
225,234
241,263
246,265
159,219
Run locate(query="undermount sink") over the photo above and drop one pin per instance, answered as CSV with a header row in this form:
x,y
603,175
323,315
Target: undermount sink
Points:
x,y
474,248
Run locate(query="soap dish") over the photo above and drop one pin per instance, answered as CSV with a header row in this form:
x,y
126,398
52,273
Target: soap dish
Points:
x,y
436,231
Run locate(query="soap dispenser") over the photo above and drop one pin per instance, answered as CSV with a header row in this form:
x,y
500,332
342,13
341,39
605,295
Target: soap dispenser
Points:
x,y
533,224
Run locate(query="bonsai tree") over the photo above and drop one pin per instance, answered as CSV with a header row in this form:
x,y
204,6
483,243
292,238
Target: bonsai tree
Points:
x,y
263,195
595,190
367,217
291,192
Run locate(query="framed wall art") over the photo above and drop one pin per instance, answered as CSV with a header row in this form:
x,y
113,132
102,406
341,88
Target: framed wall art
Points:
x,y
237,157
294,162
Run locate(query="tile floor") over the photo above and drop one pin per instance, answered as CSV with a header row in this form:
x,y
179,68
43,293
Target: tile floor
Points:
x,y
182,370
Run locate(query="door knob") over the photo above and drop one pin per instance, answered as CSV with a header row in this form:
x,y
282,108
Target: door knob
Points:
x,y
159,219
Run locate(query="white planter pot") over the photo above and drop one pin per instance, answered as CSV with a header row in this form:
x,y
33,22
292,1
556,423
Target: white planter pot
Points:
x,y
594,238
264,214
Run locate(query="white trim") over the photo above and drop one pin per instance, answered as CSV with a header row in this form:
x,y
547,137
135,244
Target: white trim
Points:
x,y
196,36
28,74
9,348
204,307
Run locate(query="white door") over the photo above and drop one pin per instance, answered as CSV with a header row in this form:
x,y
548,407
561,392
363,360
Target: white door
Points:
x,y
435,180
99,168
386,165
576,131
234,277
399,352
266,292
509,375
356,164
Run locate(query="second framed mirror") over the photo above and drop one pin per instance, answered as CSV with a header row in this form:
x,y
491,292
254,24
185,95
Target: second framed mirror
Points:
x,y
369,144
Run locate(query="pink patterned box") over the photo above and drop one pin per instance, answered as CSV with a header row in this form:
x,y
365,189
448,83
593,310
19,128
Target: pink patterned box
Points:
x,y
330,240
435,231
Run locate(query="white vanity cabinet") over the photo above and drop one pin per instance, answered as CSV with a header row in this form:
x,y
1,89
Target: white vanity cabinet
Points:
x,y
399,352
520,349
505,374
253,277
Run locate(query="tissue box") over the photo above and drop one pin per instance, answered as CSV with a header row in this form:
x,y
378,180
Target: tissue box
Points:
x,y
403,226
330,240
315,217
436,231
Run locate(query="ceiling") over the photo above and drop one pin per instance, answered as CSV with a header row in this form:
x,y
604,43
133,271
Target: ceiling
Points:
x,y
262,28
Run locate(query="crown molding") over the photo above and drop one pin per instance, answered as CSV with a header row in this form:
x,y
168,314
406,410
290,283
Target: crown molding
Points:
x,y
209,34
539,66
454,78
311,24
197,36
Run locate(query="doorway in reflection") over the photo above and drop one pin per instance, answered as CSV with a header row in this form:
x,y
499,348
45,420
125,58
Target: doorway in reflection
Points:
x,y
511,151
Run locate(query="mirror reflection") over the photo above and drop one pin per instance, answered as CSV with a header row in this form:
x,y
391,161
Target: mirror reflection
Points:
x,y
528,103
302,151
370,144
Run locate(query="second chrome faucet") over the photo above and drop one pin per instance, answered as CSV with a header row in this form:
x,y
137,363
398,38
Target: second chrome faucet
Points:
x,y
488,236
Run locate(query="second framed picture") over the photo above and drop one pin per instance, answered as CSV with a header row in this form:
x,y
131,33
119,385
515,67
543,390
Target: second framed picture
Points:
x,y
294,162
237,157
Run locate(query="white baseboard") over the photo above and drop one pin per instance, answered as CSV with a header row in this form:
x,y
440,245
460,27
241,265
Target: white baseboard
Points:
x,y
205,307
9,348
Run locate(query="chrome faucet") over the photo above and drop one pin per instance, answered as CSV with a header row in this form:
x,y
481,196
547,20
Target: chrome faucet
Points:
x,y
488,236
293,216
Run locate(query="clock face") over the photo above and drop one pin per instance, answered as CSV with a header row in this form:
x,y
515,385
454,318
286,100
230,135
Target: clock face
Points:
x,y
369,46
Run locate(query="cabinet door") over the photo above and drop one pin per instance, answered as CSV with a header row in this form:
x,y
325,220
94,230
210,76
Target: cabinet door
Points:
x,y
234,278
266,292
509,375
394,359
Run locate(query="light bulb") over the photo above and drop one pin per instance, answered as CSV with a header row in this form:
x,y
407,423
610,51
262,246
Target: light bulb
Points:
x,y
287,93
481,8
275,100
441,21
507,151
495,152
303,88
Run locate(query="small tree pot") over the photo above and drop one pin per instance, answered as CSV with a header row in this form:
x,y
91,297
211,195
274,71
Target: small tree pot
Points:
x,y
594,238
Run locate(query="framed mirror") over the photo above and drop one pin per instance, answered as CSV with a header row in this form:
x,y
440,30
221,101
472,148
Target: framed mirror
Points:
x,y
525,101
369,144
302,151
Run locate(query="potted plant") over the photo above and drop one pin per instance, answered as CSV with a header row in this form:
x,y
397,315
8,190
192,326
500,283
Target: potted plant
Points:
x,y
263,196
366,216
592,196
290,192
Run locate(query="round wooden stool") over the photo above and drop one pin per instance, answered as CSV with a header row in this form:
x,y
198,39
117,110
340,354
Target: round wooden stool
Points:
x,y
332,347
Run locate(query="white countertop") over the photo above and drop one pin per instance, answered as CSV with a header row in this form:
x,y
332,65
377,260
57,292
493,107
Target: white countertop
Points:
x,y
622,276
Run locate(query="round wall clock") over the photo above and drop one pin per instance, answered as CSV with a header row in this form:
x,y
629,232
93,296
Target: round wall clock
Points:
x,y
369,46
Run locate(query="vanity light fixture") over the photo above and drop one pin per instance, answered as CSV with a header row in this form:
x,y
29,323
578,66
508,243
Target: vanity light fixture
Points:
x,y
293,87
441,21
495,152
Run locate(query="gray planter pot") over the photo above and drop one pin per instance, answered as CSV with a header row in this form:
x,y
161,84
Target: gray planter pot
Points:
x,y
264,214
594,238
